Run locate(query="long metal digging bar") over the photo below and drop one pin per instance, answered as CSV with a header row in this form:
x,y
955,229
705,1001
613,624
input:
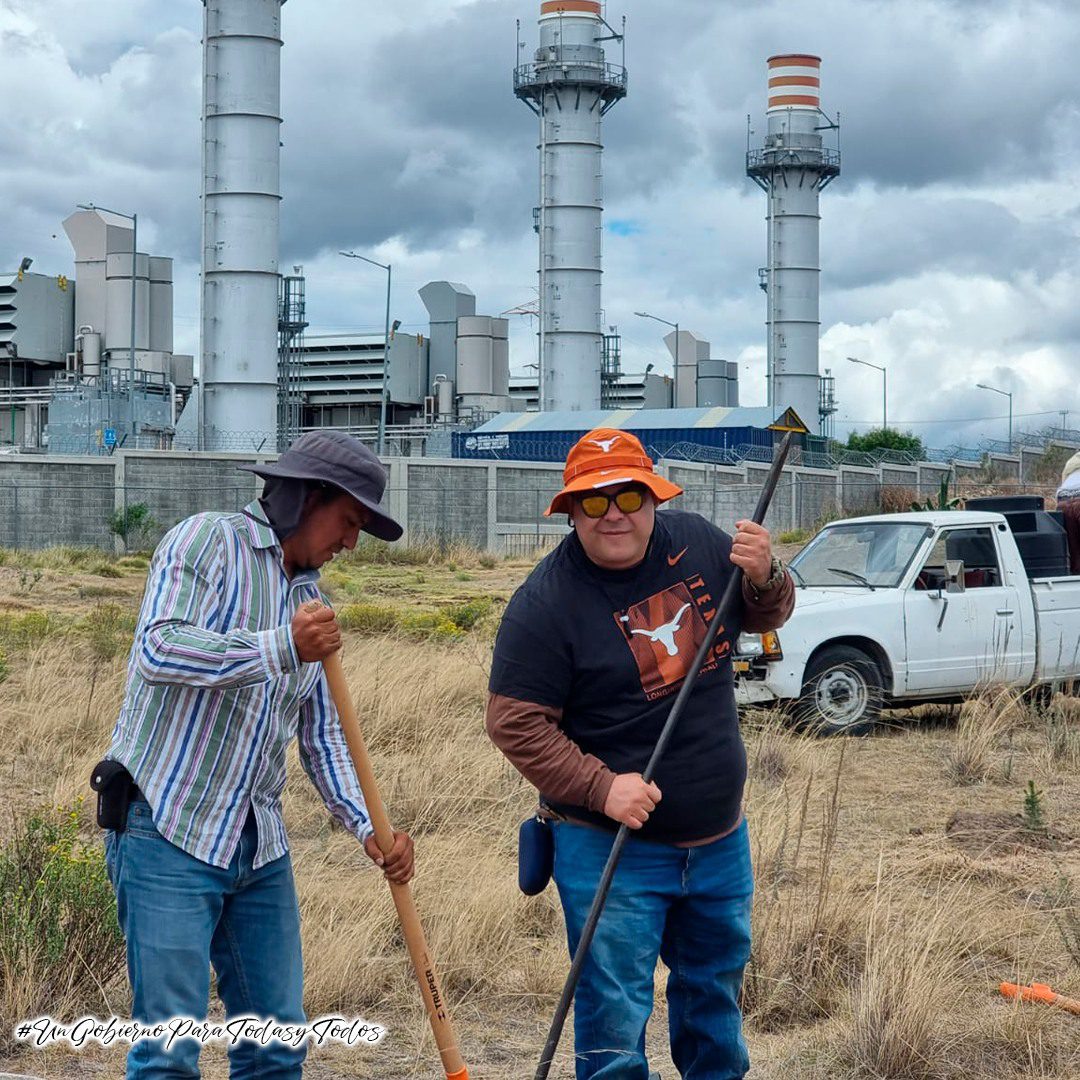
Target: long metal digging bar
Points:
x,y
728,600
430,990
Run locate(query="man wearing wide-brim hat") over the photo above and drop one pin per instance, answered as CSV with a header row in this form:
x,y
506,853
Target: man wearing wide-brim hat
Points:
x,y
591,651
225,670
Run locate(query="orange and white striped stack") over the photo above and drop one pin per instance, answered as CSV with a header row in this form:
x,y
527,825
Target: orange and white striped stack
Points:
x,y
552,9
794,82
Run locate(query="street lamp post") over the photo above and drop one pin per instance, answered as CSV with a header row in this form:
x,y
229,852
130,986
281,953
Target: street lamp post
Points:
x,y
1003,393
884,389
134,219
11,387
656,318
381,440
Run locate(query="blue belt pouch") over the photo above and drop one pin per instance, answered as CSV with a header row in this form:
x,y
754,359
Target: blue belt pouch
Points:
x,y
536,855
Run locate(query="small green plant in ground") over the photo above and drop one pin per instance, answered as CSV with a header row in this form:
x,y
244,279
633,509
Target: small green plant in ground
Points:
x,y
432,625
942,502
29,578
109,630
1034,816
448,623
794,536
135,525
60,945
136,561
367,618
104,568
23,629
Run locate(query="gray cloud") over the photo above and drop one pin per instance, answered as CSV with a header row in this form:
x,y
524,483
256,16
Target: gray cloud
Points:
x,y
948,242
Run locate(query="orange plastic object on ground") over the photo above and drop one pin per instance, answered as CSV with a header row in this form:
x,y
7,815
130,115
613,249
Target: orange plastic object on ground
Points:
x,y
1040,992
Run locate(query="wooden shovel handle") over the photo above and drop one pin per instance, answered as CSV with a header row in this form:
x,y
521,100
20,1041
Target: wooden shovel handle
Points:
x,y
430,990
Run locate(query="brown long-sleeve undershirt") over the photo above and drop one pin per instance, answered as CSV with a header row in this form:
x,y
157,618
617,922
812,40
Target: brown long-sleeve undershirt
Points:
x,y
531,738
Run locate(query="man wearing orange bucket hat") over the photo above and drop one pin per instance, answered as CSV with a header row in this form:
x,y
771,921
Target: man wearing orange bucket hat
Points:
x,y
590,652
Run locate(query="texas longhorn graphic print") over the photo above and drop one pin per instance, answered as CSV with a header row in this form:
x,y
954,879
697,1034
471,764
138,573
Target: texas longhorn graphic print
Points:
x,y
664,632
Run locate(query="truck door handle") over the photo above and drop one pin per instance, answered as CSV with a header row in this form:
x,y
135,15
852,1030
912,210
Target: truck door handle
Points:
x,y
1006,611
944,608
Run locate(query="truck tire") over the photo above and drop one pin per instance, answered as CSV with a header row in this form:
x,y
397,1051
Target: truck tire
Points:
x,y
842,692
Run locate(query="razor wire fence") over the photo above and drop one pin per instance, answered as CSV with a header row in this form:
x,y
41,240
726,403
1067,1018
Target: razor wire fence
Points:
x,y
499,509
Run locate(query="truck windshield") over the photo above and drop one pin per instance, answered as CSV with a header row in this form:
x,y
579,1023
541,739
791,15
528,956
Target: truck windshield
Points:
x,y
855,556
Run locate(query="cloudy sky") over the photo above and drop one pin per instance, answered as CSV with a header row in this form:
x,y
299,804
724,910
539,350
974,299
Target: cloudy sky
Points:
x,y
949,244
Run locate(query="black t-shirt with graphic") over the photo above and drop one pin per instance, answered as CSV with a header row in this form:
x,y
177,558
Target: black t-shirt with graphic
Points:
x,y
611,649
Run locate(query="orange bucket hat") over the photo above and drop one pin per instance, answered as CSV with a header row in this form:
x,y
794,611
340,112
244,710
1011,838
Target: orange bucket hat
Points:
x,y
606,456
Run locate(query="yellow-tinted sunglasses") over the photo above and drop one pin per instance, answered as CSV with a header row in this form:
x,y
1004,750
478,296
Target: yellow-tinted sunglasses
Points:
x,y
596,503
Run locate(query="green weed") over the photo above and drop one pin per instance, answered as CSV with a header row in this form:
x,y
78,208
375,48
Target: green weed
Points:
x,y
1034,816
24,629
135,526
60,944
368,618
465,616
431,625
794,536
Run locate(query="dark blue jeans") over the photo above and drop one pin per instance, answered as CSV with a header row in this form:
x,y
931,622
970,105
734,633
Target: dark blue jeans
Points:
x,y
688,906
179,916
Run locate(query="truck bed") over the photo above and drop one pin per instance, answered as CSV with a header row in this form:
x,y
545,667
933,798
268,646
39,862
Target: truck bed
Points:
x,y
1057,611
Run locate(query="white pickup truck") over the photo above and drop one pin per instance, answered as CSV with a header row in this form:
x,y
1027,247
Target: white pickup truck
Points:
x,y
898,609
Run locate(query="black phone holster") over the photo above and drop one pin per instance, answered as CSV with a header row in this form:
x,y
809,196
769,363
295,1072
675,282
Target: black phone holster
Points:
x,y
536,854
113,784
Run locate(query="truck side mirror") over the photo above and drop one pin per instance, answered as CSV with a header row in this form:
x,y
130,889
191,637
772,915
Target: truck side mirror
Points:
x,y
954,575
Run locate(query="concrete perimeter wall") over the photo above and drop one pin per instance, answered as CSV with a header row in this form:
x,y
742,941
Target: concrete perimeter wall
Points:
x,y
497,506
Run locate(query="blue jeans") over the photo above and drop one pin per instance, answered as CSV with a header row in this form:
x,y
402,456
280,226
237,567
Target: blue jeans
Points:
x,y
690,907
179,916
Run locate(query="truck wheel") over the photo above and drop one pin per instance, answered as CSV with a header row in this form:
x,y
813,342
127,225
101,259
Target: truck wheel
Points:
x,y
842,692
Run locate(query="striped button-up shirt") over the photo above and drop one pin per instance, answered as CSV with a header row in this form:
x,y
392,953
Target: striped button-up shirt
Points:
x,y
216,691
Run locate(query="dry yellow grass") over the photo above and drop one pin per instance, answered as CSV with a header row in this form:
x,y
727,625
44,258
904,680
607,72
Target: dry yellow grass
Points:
x,y
879,940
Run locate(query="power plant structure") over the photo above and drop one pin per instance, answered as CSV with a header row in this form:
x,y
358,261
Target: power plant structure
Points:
x,y
792,168
264,380
241,194
115,390
570,86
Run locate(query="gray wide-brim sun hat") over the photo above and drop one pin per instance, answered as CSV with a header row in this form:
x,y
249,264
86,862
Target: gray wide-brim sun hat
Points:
x,y
339,459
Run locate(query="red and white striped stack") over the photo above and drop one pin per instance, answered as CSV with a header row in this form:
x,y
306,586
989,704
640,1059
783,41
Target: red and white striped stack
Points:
x,y
794,82
552,9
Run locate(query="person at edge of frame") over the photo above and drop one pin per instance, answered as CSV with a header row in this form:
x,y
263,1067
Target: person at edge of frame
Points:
x,y
224,671
591,650
1068,502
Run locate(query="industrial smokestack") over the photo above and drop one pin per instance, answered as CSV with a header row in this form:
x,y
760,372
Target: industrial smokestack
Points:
x,y
241,204
792,169
570,87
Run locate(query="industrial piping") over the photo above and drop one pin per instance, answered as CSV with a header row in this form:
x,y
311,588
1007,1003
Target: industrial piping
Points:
x,y
241,210
792,169
570,86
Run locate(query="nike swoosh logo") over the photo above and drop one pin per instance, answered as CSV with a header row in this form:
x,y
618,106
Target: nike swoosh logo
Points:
x,y
673,559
